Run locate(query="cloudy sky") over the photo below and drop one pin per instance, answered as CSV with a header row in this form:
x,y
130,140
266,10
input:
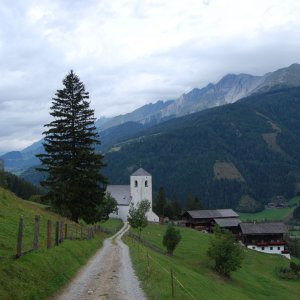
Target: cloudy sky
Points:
x,y
131,52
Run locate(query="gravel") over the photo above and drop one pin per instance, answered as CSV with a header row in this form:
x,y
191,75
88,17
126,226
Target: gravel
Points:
x,y
107,275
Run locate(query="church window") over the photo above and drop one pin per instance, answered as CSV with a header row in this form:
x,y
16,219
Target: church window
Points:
x,y
135,183
146,183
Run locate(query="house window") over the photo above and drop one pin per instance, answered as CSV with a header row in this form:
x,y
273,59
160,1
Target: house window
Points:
x,y
135,183
278,248
271,248
146,183
262,248
253,247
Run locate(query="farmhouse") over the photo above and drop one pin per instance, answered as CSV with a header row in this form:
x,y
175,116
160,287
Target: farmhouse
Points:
x,y
140,188
206,219
265,237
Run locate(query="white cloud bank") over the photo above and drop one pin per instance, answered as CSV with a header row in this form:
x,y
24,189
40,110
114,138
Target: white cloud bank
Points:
x,y
131,52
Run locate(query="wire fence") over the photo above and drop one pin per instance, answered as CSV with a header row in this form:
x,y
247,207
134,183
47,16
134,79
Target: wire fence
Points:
x,y
31,234
161,282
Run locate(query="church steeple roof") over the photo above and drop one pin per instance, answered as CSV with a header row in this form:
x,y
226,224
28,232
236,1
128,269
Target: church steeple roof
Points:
x,y
141,172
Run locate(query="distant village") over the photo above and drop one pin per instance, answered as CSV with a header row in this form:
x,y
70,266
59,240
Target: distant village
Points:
x,y
267,237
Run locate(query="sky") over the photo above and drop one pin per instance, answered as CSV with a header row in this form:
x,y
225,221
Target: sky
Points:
x,y
131,52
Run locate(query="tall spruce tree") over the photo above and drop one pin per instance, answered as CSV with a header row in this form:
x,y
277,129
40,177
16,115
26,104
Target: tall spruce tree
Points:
x,y
75,185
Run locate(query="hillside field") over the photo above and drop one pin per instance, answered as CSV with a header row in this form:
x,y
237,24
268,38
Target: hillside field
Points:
x,y
272,214
256,279
38,274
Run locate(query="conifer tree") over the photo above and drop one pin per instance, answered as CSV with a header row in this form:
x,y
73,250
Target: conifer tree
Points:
x,y
74,183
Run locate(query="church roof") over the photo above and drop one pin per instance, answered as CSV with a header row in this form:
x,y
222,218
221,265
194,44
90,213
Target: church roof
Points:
x,y
141,172
120,192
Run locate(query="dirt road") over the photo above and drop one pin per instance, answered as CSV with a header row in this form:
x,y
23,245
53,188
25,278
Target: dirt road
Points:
x,y
108,275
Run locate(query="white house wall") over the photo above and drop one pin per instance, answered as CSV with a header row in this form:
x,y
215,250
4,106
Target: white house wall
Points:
x,y
269,249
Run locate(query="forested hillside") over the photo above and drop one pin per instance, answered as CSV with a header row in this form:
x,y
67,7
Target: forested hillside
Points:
x,y
246,150
19,186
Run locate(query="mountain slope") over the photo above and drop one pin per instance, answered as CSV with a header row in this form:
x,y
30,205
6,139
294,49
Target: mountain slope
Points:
x,y
183,154
228,90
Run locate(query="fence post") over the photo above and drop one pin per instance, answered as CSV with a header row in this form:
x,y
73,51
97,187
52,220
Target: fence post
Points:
x,y
66,231
172,283
20,238
35,244
57,233
49,234
61,233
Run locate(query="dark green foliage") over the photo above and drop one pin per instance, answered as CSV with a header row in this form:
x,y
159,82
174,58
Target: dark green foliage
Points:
x,y
295,267
75,184
137,215
296,213
181,153
191,202
171,239
176,207
160,202
225,252
286,273
293,246
169,210
108,205
19,186
248,205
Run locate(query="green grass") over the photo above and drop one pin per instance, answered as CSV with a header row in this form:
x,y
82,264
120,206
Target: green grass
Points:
x,y
38,274
256,279
272,214
112,224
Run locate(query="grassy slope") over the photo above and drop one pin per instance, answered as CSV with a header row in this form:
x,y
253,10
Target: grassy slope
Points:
x,y
255,280
38,274
274,214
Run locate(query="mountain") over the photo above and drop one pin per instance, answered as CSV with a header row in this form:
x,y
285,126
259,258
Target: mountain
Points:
x,y
245,150
228,90
18,161
112,130
149,113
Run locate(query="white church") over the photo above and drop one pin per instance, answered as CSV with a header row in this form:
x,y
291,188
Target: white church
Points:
x,y
140,188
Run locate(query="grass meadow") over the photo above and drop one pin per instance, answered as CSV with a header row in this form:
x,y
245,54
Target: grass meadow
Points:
x,y
272,214
195,276
38,274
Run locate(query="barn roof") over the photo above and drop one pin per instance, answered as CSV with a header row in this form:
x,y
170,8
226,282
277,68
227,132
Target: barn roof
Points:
x,y
120,192
263,228
212,213
141,172
228,222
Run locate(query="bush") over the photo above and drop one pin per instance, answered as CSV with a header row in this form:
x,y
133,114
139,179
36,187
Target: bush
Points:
x,y
171,239
286,273
226,253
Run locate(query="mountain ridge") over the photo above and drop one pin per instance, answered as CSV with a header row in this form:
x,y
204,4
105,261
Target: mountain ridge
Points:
x,y
229,89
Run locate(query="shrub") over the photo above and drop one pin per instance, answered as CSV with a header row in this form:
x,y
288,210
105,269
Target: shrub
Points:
x,y
171,239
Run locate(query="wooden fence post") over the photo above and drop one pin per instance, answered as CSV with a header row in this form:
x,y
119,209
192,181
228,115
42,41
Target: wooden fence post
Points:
x,y
172,283
61,233
35,244
66,231
49,234
57,233
20,238
71,231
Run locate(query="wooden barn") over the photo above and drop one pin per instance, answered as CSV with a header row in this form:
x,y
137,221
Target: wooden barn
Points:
x,y
206,219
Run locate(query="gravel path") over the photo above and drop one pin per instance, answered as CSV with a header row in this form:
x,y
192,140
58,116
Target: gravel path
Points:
x,y
108,275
